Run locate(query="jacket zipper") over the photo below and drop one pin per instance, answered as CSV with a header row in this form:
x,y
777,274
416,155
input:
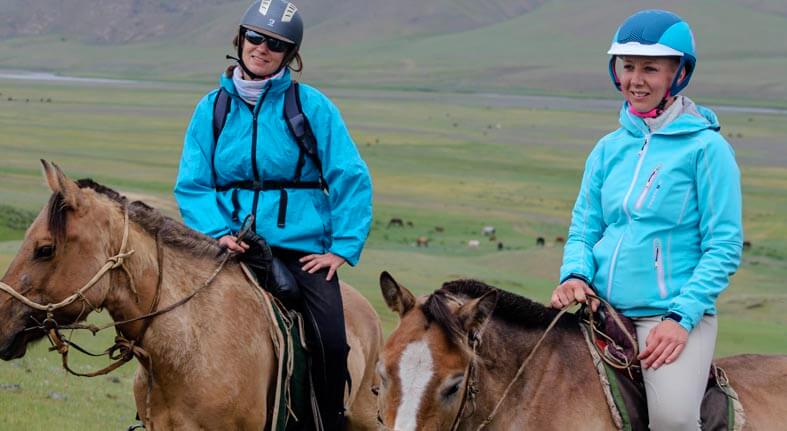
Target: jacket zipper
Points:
x,y
254,112
641,156
659,264
648,184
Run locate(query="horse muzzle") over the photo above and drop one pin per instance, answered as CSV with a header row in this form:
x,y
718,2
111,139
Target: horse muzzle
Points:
x,y
13,342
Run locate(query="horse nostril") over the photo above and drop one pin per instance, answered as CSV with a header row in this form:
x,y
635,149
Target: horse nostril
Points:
x,y
375,390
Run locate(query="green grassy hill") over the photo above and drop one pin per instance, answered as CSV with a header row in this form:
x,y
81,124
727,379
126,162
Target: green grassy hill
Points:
x,y
453,162
554,46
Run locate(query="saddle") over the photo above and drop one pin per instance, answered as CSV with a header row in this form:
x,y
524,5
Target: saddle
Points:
x,y
612,341
269,271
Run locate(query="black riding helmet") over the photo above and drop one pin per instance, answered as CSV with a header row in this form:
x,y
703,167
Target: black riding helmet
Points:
x,y
276,18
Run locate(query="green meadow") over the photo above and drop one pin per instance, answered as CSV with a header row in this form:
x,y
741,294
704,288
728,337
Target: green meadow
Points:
x,y
447,166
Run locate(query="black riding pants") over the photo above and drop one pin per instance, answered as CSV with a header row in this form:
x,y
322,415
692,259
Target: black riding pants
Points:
x,y
326,336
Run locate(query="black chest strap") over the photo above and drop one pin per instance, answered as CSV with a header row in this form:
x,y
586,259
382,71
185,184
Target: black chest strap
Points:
x,y
299,127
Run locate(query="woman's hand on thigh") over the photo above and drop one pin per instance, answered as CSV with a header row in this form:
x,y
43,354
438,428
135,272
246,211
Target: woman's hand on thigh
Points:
x,y
664,344
315,262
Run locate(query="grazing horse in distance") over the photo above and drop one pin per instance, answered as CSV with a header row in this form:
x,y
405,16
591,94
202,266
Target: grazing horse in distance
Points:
x,y
395,221
449,361
209,363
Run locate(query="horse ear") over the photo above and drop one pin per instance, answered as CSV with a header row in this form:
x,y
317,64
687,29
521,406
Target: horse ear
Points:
x,y
59,183
474,314
397,297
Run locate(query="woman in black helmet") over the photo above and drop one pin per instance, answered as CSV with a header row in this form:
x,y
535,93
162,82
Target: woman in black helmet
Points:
x,y
310,195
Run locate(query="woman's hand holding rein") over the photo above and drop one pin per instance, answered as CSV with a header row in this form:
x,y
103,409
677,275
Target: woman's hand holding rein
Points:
x,y
572,291
231,243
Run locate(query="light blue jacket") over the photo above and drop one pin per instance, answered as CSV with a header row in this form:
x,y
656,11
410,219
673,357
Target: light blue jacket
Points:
x,y
656,227
338,223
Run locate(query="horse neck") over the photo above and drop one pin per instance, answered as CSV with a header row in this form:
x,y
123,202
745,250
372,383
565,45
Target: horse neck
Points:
x,y
557,363
160,275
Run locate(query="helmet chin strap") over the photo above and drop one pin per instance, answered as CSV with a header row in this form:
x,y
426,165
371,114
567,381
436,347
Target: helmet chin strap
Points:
x,y
653,113
246,70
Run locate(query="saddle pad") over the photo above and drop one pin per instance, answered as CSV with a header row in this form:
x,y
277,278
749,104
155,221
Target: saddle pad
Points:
x,y
293,383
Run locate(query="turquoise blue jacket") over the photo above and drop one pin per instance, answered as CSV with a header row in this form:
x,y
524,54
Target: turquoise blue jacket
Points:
x,y
656,227
315,222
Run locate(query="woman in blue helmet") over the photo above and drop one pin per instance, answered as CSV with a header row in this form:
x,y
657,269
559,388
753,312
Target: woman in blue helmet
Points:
x,y
315,212
656,228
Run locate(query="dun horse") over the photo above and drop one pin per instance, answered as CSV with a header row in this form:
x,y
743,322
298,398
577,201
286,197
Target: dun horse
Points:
x,y
210,362
426,384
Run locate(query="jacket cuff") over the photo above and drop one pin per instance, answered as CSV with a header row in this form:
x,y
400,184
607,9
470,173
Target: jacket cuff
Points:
x,y
680,318
577,276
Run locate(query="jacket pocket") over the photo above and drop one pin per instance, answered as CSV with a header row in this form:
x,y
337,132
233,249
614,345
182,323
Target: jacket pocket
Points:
x,y
648,185
658,253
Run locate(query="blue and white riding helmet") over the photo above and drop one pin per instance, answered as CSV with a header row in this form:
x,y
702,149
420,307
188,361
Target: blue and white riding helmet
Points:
x,y
655,33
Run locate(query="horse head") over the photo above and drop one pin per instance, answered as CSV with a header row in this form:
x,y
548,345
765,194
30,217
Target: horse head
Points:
x,y
67,244
425,369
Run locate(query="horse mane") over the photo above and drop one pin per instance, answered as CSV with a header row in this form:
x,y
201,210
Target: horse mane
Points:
x,y
511,308
170,231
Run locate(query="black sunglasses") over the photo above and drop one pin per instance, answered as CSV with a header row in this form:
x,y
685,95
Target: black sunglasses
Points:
x,y
274,45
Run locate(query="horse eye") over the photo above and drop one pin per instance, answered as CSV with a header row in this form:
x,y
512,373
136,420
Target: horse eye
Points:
x,y
451,391
453,387
44,252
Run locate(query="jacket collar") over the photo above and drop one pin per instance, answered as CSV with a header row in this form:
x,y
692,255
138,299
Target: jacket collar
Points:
x,y
276,85
692,118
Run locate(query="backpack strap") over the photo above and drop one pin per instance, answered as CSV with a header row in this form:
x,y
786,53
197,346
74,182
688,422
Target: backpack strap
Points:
x,y
221,108
302,132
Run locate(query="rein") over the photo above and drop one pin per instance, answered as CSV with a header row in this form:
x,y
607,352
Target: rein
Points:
x,y
530,356
521,369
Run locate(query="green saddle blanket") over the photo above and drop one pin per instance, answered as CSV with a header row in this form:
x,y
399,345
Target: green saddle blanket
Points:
x,y
293,404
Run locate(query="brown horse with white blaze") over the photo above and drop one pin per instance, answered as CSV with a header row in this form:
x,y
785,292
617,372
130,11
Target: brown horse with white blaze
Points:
x,y
448,364
211,360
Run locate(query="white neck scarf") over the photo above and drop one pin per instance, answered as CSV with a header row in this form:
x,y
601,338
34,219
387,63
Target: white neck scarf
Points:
x,y
674,111
250,90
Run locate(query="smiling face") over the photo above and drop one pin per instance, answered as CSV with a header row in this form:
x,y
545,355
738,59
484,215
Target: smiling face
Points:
x,y
260,59
646,80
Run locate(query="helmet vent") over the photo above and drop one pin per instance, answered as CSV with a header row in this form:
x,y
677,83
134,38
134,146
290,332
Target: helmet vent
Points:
x,y
289,12
634,35
264,6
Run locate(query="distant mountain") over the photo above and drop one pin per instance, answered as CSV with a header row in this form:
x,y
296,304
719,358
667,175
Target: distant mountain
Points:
x,y
128,21
504,46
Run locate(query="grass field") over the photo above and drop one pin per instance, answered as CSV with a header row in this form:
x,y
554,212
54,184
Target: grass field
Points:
x,y
459,166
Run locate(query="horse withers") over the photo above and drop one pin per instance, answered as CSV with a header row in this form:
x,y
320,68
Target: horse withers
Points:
x,y
452,364
209,363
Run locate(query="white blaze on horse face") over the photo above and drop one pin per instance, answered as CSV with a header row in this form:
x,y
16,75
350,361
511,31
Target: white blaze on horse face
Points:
x,y
415,372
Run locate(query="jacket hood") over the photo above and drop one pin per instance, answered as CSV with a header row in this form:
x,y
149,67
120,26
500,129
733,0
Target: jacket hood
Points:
x,y
692,118
277,85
